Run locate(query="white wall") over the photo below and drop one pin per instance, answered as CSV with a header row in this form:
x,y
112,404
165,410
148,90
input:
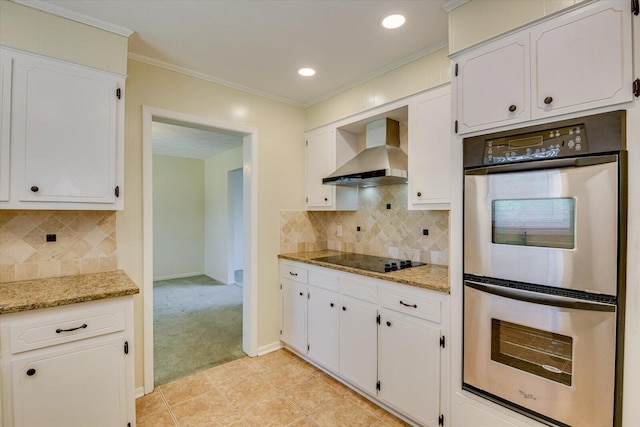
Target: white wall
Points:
x,y
178,217
235,218
29,29
217,227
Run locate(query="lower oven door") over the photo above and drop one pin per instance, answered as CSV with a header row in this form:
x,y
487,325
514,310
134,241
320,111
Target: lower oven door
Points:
x,y
550,357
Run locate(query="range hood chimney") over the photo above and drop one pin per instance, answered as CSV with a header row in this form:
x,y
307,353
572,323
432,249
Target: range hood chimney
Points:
x,y
382,162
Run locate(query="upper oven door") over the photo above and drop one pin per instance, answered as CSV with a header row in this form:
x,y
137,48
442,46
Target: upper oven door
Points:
x,y
554,226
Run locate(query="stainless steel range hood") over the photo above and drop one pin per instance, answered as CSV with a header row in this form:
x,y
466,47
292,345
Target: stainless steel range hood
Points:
x,y
382,162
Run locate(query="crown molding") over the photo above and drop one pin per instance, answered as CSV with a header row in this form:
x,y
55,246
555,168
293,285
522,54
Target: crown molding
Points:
x,y
210,78
75,16
453,4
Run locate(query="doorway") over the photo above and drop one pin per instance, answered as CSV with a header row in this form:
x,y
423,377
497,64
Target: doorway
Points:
x,y
212,267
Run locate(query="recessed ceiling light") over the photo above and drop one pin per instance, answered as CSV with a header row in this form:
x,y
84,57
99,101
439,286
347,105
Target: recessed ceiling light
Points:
x,y
306,72
393,21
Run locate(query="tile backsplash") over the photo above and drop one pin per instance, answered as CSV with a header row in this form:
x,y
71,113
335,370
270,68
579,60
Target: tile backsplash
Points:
x,y
396,232
85,243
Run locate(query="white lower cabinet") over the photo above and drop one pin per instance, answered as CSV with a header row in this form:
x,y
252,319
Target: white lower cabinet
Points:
x,y
294,314
382,338
358,343
409,366
69,366
323,327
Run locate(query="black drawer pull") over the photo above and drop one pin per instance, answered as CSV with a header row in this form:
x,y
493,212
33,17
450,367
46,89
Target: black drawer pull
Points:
x,y
31,372
409,305
35,188
388,323
331,304
512,108
293,274
300,293
344,308
84,325
548,100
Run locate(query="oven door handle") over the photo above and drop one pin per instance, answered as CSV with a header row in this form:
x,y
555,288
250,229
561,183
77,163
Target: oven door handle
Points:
x,y
541,298
545,164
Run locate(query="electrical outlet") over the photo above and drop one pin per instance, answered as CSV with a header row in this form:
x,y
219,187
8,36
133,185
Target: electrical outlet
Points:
x,y
51,237
339,231
425,232
358,228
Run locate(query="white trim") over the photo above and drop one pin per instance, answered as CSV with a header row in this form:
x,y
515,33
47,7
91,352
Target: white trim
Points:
x,y
250,191
75,16
404,61
453,4
179,276
274,346
139,392
210,78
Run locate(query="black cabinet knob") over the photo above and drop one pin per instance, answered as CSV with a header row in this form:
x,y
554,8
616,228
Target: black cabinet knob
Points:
x,y
388,323
418,194
326,200
31,372
300,293
34,188
548,100
331,304
512,108
344,308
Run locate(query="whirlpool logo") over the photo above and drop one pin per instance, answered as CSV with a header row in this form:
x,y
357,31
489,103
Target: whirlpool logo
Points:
x,y
527,395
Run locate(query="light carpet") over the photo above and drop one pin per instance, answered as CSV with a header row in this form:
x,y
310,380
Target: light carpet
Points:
x,y
197,324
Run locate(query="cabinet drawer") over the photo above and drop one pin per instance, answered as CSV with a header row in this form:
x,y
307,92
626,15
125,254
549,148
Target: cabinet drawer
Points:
x,y
294,273
324,278
366,290
411,303
67,325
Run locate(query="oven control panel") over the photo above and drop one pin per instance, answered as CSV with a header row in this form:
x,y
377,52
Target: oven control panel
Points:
x,y
547,144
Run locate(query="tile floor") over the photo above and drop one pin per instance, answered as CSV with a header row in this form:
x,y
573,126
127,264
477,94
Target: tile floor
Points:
x,y
278,389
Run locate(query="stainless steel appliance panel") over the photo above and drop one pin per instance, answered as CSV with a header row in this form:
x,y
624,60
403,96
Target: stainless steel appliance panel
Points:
x,y
583,253
567,376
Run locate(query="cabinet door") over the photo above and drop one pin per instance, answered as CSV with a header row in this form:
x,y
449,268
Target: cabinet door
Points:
x,y
320,162
409,366
5,123
77,385
493,85
429,150
294,314
358,343
322,328
583,60
64,132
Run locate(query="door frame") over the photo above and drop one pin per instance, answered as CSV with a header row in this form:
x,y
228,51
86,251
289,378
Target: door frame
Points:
x,y
250,223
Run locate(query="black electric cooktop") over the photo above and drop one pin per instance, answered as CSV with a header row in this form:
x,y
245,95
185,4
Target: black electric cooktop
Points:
x,y
369,262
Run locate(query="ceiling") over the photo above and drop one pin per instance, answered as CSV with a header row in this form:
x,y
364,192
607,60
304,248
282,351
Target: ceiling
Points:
x,y
258,45
177,140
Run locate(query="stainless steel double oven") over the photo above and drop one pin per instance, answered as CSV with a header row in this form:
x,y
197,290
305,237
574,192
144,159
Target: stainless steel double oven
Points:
x,y
544,250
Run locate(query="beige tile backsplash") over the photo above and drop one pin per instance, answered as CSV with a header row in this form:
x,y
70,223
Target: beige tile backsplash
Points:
x,y
395,232
86,243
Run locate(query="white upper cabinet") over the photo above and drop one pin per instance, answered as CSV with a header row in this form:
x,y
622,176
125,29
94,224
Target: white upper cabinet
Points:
x,y
66,136
327,150
573,62
493,85
429,150
5,123
582,61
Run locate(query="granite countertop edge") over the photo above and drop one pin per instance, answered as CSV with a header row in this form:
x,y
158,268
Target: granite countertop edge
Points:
x,y
50,292
429,276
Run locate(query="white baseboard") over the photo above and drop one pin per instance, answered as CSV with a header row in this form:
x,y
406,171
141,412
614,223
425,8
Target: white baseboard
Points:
x,y
139,392
270,347
177,276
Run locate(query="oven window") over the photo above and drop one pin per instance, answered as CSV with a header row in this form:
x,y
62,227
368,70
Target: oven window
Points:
x,y
548,223
538,352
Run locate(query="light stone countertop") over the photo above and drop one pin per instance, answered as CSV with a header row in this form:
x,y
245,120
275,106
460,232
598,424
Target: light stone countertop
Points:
x,y
55,291
430,276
